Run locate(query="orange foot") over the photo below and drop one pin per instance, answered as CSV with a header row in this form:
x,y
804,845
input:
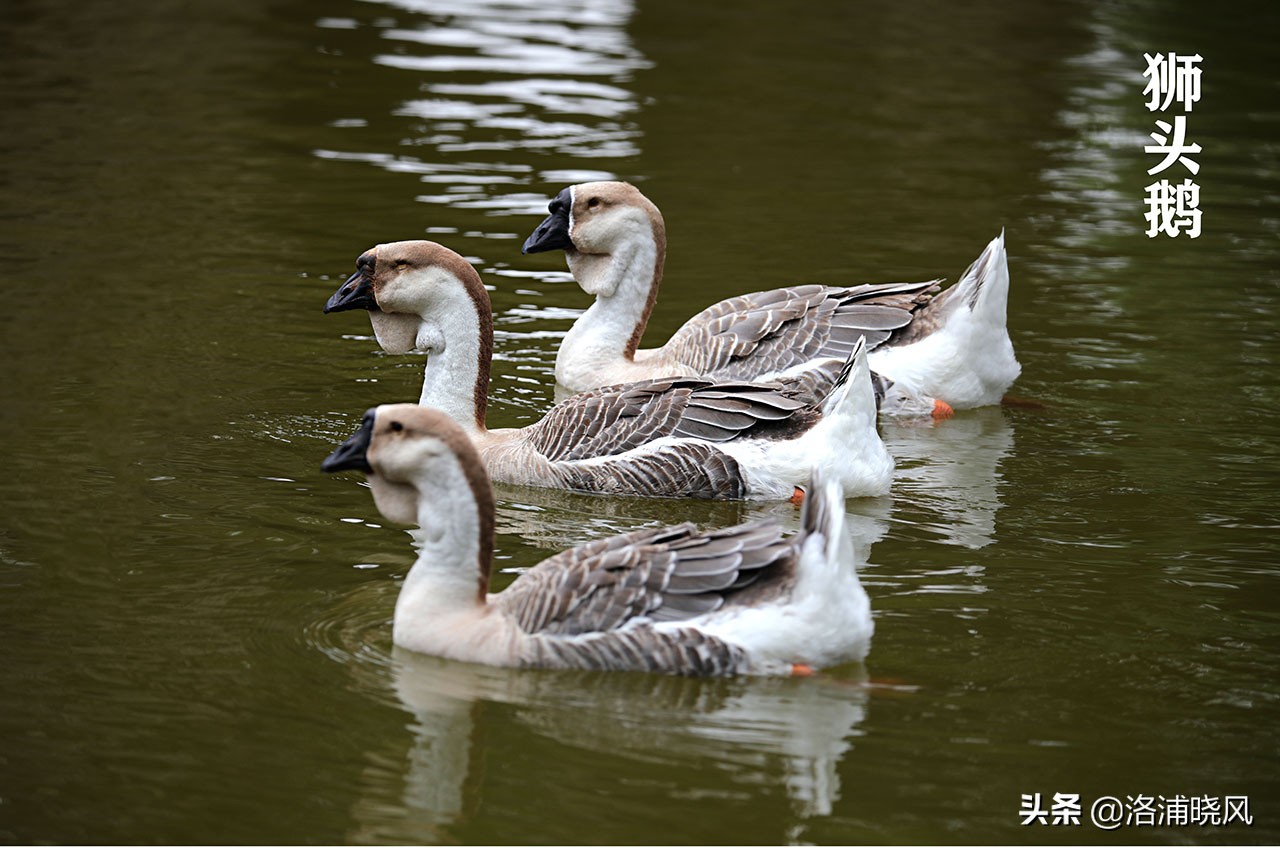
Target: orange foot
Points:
x,y
797,497
802,669
941,411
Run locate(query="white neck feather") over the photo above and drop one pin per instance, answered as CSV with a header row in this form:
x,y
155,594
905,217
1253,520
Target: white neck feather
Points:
x,y
451,339
621,282
446,579
431,311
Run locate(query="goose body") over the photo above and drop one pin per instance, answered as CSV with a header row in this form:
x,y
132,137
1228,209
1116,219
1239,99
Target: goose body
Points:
x,y
744,599
684,437
951,346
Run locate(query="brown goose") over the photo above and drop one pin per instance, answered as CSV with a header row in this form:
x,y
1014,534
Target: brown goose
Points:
x,y
663,437
744,599
925,346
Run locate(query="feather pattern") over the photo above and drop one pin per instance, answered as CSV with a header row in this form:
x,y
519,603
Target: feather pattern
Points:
x,y
665,574
616,419
761,334
686,469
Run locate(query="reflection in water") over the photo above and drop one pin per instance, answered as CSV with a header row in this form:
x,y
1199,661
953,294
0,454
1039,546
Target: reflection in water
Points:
x,y
1093,206
510,76
758,732
1089,162
522,336
952,469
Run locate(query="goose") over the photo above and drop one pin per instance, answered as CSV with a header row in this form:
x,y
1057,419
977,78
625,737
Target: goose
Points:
x,y
739,600
684,437
949,349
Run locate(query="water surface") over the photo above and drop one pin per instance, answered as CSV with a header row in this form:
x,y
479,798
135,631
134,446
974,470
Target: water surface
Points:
x,y
1079,597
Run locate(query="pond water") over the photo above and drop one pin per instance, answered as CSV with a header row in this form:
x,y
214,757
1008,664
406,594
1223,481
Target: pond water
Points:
x,y
1078,597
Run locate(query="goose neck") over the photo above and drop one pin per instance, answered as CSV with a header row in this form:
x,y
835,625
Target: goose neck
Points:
x,y
625,283
454,541
459,349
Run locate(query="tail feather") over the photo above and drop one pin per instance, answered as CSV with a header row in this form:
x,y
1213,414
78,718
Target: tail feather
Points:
x,y
853,387
958,349
823,517
823,508
846,437
986,280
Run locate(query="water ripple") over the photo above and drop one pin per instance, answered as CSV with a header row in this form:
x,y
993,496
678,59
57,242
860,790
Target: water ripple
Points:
x,y
547,78
356,627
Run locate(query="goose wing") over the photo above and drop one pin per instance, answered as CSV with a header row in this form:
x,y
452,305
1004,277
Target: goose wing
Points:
x,y
668,574
762,333
610,421
685,469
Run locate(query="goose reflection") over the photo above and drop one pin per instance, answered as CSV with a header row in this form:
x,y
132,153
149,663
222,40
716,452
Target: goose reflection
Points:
x,y
951,470
755,735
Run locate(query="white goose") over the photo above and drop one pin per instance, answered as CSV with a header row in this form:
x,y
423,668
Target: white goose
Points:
x,y
951,347
670,437
744,599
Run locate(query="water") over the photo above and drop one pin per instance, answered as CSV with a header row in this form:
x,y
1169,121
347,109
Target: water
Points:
x,y
1075,598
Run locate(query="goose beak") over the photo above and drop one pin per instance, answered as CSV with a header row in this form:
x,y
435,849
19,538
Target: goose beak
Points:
x,y
356,292
351,455
553,233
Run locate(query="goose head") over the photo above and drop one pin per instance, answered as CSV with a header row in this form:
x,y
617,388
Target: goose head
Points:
x,y
410,289
601,218
424,472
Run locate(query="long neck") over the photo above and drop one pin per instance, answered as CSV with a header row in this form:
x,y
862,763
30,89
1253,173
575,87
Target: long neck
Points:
x,y
626,285
459,345
454,540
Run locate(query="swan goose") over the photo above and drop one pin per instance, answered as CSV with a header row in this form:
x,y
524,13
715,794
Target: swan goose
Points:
x,y
926,347
740,600
667,437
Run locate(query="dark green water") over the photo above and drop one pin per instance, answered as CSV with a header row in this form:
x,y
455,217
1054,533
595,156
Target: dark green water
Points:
x,y
1079,598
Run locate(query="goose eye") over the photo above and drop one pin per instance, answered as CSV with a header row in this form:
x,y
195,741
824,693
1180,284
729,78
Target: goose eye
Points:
x,y
396,426
401,264
593,202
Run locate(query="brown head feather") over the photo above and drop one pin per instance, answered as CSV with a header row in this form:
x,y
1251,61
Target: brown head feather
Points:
x,y
622,193
425,253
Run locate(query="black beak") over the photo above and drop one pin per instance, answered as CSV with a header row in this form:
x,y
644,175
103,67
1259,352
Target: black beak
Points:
x,y
553,233
356,292
351,454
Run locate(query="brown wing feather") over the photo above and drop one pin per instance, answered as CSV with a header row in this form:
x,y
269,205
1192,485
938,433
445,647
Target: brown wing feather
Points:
x,y
761,333
687,469
671,573
609,421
